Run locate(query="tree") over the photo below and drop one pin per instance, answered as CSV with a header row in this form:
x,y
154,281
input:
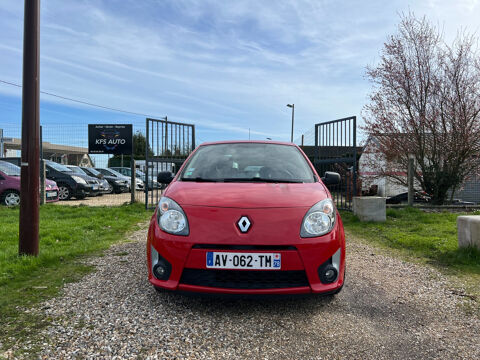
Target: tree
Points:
x,y
426,101
139,146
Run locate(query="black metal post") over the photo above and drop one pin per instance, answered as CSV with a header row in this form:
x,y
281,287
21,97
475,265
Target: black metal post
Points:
x,y
193,137
146,162
133,180
293,118
42,170
30,164
354,156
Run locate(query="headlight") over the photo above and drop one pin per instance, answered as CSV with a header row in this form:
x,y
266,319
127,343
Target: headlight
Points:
x,y
171,218
139,181
319,220
120,181
79,180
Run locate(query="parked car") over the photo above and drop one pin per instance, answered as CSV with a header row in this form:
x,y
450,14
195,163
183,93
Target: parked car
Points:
x,y
420,197
103,186
224,227
117,185
152,183
10,185
110,172
70,184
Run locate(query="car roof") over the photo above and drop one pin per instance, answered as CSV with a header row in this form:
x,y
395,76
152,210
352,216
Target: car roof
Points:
x,y
248,142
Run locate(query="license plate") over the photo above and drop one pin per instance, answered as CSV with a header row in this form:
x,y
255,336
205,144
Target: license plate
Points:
x,y
95,187
51,194
228,260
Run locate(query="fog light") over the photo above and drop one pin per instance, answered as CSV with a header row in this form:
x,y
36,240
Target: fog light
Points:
x,y
328,274
161,268
159,271
329,270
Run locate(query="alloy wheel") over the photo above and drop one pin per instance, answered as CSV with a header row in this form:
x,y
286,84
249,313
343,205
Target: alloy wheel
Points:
x,y
63,193
12,199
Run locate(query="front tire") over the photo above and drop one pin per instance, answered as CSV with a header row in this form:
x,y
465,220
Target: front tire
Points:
x,y
64,192
10,198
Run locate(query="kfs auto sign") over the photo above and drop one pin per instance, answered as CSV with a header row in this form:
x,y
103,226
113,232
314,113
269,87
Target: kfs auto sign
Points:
x,y
110,139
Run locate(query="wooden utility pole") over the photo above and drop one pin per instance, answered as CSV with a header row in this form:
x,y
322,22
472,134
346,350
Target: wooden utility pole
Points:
x,y
30,161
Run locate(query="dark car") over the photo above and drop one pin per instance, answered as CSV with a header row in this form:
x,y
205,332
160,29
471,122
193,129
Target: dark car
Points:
x,y
117,185
69,183
126,171
114,175
103,186
420,197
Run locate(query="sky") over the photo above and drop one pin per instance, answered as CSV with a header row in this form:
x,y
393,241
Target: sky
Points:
x,y
229,67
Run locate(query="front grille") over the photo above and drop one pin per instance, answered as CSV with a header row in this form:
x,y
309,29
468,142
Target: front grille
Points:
x,y
244,279
243,247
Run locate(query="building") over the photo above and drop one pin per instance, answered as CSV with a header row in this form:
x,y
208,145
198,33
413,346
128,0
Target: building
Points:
x,y
63,154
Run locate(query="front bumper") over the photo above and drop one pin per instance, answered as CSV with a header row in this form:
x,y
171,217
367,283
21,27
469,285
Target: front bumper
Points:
x,y
301,260
83,190
51,195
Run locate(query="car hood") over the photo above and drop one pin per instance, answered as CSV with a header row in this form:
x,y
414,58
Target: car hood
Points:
x,y
50,182
246,195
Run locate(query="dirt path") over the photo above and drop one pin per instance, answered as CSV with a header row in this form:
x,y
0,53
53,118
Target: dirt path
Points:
x,y
388,309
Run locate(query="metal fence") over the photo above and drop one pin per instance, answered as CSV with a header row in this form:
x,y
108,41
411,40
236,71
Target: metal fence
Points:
x,y
336,150
168,145
67,144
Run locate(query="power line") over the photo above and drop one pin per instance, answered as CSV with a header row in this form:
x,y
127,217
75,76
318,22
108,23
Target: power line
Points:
x,y
82,102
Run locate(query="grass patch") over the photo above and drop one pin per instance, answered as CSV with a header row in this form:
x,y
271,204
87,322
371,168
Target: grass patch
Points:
x,y
425,237
66,235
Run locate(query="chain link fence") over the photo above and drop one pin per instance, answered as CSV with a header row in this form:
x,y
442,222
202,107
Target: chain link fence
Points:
x,y
81,178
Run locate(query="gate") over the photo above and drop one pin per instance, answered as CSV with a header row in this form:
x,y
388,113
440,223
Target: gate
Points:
x,y
168,145
336,150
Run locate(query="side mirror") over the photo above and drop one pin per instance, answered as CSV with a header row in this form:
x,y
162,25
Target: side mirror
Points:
x,y
331,178
165,177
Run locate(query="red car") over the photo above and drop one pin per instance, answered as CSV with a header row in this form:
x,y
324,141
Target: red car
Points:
x,y
247,217
10,185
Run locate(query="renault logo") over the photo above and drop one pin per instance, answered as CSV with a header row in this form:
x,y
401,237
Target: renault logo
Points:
x,y
243,224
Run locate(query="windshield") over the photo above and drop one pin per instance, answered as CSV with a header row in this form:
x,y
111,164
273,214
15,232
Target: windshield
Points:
x,y
91,171
110,172
9,169
57,166
76,170
245,162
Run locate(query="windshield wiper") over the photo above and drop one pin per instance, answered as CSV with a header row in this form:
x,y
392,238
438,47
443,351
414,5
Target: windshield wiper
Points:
x,y
199,179
259,179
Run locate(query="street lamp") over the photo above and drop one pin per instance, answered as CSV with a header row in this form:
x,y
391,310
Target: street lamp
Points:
x,y
293,117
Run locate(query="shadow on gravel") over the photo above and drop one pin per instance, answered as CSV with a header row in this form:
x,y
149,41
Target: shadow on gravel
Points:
x,y
233,305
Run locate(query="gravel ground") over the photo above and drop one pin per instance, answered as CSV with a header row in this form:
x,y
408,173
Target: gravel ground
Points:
x,y
388,309
104,200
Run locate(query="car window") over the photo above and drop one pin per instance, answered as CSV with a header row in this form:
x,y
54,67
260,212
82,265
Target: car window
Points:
x,y
109,172
77,170
248,162
9,169
114,173
57,166
104,171
91,171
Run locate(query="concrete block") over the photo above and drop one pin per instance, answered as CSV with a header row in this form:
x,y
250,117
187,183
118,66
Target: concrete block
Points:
x,y
370,208
468,230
